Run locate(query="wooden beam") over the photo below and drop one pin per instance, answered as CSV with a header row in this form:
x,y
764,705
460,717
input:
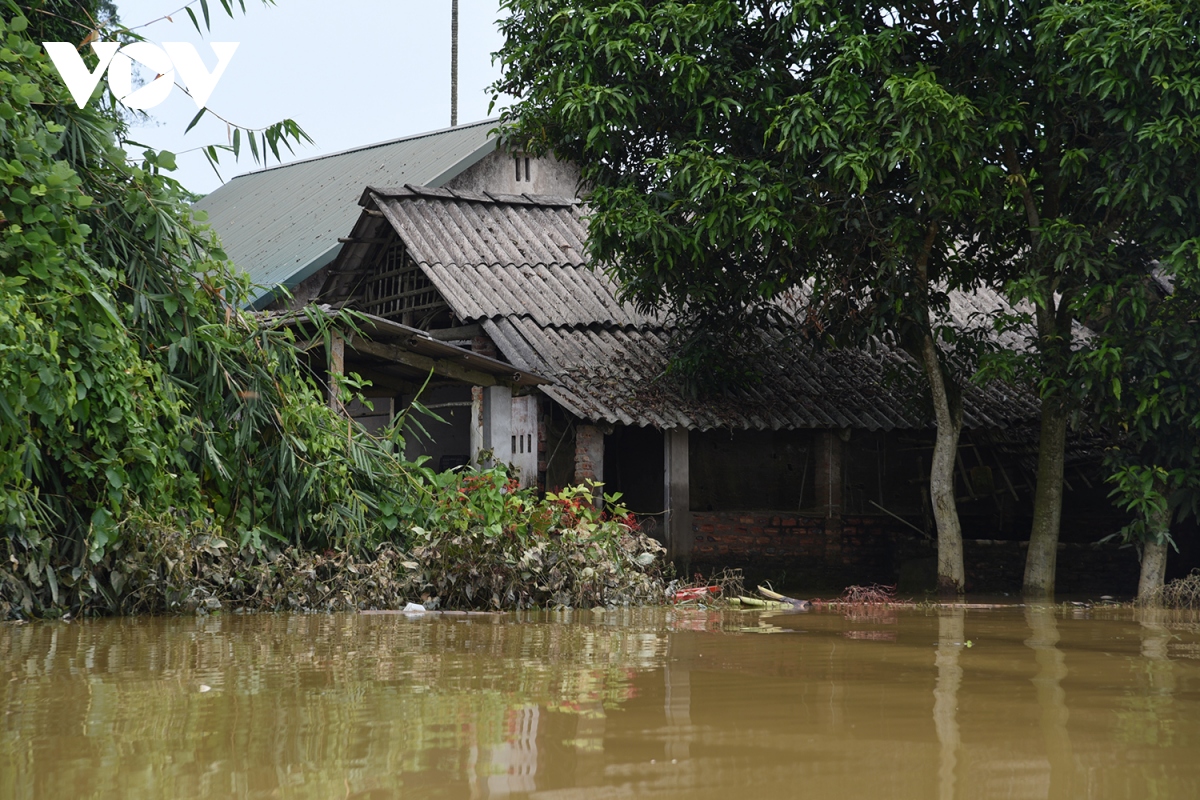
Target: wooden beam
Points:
x,y
439,366
382,378
457,333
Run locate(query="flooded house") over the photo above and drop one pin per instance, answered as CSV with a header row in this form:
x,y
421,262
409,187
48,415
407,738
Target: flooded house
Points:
x,y
818,475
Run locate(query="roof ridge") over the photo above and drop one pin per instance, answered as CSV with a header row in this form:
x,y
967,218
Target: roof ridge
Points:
x,y
472,196
361,148
593,324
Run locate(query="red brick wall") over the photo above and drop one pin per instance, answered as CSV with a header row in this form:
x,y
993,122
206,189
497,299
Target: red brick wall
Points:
x,y
589,457
589,448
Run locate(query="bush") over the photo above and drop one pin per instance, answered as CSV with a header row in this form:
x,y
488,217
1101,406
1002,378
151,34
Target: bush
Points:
x,y
1182,593
484,544
488,544
130,381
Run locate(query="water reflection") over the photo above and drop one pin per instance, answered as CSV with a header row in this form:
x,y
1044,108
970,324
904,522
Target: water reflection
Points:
x,y
1051,698
677,704
951,641
678,708
1156,639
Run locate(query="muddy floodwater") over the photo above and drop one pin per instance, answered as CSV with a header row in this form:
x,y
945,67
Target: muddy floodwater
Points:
x,y
1008,703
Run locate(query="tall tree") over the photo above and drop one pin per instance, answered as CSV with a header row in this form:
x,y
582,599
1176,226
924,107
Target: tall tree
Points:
x,y
1088,106
733,156
1144,377
738,152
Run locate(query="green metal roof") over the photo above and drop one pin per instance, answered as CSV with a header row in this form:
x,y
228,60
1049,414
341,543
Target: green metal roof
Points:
x,y
282,224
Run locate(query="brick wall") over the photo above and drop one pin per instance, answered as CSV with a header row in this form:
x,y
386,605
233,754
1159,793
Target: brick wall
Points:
x,y
589,448
818,555
795,549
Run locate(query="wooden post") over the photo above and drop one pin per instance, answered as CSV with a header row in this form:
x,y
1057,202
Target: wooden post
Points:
x,y
677,521
476,431
453,63
337,368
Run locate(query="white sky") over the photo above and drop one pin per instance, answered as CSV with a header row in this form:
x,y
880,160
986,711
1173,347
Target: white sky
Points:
x,y
351,72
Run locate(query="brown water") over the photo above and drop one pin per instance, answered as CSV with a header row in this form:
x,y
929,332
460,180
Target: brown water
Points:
x,y
1014,703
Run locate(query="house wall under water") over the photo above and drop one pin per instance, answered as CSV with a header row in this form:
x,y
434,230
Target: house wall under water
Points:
x,y
817,510
788,506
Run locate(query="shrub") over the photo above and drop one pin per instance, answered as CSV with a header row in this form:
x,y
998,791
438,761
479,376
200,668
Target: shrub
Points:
x,y
488,544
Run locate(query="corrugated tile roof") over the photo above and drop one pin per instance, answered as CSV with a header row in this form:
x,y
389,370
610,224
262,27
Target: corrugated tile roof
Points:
x,y
517,264
281,224
492,255
605,373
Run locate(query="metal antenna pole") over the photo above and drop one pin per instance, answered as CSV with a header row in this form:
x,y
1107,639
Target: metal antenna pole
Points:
x,y
453,63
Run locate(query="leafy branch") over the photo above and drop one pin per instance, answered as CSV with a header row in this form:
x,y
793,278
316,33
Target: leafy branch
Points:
x,y
262,140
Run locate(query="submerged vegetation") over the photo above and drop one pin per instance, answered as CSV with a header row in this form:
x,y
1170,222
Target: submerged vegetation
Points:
x,y
161,450
1182,593
481,544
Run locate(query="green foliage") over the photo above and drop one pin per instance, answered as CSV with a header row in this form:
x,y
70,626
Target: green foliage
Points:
x,y
738,152
1136,68
488,544
1143,378
480,543
129,379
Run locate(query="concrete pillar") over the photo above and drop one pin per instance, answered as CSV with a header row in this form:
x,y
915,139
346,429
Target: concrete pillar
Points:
x,y
829,491
523,441
589,458
828,478
497,423
677,519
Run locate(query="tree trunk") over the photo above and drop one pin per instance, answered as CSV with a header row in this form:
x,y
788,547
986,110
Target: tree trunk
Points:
x,y
1154,552
1042,558
1154,570
951,576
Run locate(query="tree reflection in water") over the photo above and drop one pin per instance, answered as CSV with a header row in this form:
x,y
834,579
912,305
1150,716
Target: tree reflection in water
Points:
x,y
1152,624
951,640
1052,699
